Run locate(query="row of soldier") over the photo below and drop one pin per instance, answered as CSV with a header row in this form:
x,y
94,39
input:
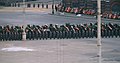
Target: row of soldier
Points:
x,y
69,31
10,33
66,31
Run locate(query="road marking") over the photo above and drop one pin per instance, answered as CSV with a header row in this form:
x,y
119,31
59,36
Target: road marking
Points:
x,y
17,49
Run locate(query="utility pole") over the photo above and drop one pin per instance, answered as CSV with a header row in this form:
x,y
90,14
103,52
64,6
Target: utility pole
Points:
x,y
99,45
23,6
52,6
24,33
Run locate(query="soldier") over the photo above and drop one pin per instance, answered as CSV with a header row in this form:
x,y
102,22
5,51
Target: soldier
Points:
x,y
0,33
57,31
80,31
56,8
17,35
61,31
111,27
32,32
16,31
39,32
90,30
76,31
20,30
6,32
4,37
64,32
27,30
116,30
95,30
119,30
52,31
86,28
11,33
46,31
108,30
72,31
68,32
27,35
14,34
43,33
103,30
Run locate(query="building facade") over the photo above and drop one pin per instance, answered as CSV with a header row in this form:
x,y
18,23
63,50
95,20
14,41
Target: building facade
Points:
x,y
8,2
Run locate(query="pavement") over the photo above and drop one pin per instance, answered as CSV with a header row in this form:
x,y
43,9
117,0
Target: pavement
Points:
x,y
20,9
81,16
61,51
57,50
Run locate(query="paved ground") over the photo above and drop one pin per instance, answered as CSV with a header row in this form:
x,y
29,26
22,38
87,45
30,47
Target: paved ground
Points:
x,y
56,51
61,51
41,17
20,9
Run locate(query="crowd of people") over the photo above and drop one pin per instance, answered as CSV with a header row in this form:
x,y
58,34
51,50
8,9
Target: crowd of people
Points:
x,y
77,10
80,11
51,31
111,15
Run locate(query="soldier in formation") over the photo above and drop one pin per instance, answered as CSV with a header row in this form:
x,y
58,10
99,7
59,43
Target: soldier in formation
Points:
x,y
10,33
67,31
